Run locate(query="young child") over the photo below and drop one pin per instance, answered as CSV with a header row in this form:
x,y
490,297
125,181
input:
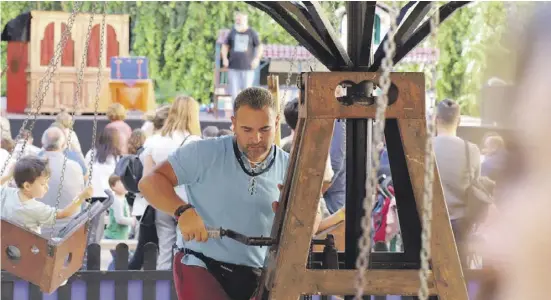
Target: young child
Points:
x,y
31,175
120,220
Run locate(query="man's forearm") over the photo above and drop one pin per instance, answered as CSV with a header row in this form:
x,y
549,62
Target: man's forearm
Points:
x,y
259,52
224,51
159,192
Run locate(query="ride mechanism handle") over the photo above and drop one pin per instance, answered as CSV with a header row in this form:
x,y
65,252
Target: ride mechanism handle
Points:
x,y
214,233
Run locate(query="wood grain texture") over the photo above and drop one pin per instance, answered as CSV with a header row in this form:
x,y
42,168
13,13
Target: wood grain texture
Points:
x,y
321,102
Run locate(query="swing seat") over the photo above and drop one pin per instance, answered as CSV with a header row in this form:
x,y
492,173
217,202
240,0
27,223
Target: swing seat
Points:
x,y
43,262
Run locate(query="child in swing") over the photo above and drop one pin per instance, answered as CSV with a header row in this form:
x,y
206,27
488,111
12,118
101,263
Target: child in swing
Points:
x,y
19,205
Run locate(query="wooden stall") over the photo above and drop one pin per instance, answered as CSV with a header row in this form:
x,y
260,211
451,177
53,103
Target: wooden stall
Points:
x,y
46,28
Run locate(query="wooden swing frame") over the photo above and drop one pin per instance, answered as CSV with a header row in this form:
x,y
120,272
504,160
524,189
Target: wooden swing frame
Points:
x,y
286,275
44,262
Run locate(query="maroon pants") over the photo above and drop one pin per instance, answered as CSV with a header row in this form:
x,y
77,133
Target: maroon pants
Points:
x,y
195,283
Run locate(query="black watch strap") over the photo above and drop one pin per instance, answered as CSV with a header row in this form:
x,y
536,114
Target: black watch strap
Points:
x,y
180,210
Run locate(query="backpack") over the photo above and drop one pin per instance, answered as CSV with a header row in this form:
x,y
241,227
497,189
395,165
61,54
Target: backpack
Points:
x,y
478,196
130,169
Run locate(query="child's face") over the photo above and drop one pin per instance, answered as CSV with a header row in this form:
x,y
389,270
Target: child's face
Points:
x,y
119,189
38,188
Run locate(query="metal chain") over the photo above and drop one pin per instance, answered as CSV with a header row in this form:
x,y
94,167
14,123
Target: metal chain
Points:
x,y
288,80
429,171
43,86
76,98
95,122
362,261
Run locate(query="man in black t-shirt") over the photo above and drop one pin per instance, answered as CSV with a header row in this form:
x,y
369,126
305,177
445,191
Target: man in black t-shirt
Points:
x,y
244,49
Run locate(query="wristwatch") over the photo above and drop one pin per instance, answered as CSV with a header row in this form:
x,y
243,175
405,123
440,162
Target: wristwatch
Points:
x,y
180,210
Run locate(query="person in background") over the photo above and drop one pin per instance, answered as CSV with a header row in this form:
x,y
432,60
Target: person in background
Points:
x,y
493,160
30,149
241,54
210,132
335,196
120,221
181,128
455,174
53,143
135,147
65,122
5,128
224,132
116,113
107,153
71,154
7,144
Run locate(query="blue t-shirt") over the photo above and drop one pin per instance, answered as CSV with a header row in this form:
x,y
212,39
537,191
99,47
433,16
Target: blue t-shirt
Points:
x,y
218,188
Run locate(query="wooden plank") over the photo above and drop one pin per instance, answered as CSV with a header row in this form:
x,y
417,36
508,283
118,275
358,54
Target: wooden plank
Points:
x,y
378,282
93,264
301,209
321,102
273,86
149,263
446,265
121,263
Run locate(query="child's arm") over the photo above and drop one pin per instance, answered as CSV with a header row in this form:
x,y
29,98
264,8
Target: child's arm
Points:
x,y
8,176
72,208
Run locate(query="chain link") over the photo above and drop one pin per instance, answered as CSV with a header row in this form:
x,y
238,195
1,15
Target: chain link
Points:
x,y
95,123
43,86
76,101
362,261
288,80
429,171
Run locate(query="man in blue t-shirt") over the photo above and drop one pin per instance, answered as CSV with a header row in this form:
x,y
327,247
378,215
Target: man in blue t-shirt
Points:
x,y
232,183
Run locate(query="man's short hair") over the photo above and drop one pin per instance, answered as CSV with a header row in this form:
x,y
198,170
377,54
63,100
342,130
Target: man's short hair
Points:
x,y
448,112
113,179
291,113
210,132
29,168
224,132
254,97
53,138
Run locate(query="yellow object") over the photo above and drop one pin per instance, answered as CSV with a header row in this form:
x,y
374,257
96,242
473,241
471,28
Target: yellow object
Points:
x,y
138,96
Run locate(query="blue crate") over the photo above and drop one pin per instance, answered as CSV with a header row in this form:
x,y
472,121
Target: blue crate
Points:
x,y
129,68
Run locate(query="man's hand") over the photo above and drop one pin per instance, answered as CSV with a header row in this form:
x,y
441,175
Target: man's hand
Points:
x,y
192,227
275,204
255,63
225,62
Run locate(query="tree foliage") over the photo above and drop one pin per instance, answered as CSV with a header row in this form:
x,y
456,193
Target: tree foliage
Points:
x,y
179,40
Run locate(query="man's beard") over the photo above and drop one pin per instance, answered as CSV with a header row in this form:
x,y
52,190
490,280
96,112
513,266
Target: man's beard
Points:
x,y
240,27
255,151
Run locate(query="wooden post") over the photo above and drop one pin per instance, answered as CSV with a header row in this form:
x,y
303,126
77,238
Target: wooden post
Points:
x,y
273,86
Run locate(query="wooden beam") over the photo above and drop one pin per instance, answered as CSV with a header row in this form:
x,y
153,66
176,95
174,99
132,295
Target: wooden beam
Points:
x,y
379,282
273,86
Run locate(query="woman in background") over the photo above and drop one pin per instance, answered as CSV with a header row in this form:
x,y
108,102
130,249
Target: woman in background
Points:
x,y
181,127
107,153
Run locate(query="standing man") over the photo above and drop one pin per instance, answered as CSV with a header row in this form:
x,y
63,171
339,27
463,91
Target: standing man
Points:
x,y
232,182
245,51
